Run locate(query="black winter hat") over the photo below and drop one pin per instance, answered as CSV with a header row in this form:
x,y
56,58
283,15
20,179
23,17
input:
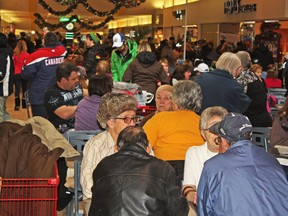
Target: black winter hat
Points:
x,y
3,40
50,39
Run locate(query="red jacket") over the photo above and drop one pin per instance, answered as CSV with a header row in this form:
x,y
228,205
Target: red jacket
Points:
x,y
19,61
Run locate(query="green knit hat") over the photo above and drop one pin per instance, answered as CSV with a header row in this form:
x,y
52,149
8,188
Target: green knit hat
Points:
x,y
94,37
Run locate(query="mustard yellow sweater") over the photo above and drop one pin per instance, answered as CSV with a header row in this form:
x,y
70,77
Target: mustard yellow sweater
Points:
x,y
171,133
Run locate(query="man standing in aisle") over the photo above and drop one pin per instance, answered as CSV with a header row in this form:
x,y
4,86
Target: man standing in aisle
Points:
x,y
93,54
40,71
126,50
6,75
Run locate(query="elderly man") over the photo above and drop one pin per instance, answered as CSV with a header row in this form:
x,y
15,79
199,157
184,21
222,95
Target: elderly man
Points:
x,y
197,155
62,97
219,87
116,112
244,180
132,182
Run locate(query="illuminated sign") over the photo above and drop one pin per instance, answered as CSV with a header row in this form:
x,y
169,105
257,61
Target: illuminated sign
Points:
x,y
66,19
234,6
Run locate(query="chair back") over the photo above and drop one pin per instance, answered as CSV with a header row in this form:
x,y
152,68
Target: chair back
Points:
x,y
78,138
261,137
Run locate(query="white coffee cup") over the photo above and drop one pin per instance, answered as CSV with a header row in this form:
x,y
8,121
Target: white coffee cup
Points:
x,y
144,98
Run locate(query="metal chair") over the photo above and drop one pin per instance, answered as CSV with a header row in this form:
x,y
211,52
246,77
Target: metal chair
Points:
x,y
261,137
78,139
277,91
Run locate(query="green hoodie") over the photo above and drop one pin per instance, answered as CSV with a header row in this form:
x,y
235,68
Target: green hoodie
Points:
x,y
120,63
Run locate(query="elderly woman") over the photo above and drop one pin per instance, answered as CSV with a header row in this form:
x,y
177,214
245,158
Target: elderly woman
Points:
x,y
219,87
116,112
171,133
197,155
163,102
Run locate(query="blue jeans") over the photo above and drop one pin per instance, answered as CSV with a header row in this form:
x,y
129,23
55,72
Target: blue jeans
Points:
x,y
4,115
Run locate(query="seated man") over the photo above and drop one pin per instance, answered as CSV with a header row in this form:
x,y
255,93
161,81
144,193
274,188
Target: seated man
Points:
x,y
197,155
244,180
116,111
62,97
131,182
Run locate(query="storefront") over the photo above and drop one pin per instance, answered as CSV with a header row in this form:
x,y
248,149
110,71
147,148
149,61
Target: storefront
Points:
x,y
232,20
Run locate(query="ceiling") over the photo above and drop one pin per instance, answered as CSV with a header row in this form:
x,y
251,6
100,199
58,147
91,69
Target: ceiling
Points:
x,y
20,12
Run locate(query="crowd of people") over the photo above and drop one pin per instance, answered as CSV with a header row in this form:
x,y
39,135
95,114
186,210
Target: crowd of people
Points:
x,y
193,155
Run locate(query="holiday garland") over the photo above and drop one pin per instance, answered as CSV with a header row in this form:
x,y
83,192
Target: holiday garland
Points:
x,y
73,4
41,23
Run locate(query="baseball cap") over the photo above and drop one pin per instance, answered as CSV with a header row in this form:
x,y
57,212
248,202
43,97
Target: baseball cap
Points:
x,y
202,67
233,127
118,40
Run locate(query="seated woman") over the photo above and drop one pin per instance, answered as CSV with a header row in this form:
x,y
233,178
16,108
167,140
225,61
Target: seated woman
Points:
x,y
163,102
87,108
197,155
171,133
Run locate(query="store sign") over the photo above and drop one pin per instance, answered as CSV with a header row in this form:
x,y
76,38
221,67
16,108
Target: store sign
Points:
x,y
234,6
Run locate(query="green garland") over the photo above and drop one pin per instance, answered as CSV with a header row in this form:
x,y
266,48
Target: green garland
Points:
x,y
41,23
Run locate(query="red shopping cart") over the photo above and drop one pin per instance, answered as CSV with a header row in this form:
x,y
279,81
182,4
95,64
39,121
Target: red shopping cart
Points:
x,y
145,110
29,196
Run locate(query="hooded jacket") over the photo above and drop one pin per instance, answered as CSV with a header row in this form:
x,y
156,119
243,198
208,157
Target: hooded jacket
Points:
x,y
145,70
119,63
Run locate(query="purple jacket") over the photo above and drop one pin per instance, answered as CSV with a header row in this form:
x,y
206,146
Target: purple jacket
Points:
x,y
85,115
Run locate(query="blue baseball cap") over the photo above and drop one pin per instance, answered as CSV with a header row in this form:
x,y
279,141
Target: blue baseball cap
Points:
x,y
233,127
118,40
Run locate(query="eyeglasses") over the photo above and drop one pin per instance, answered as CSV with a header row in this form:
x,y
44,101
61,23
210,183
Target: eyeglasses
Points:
x,y
128,120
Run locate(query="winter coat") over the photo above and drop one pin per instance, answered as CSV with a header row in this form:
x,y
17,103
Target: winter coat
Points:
x,y
257,110
145,70
219,88
120,63
92,56
40,70
6,71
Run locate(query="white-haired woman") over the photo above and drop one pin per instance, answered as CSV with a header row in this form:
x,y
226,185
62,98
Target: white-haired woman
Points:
x,y
172,133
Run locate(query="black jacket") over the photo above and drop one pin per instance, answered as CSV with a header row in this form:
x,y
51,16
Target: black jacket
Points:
x,y
92,56
6,71
131,182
